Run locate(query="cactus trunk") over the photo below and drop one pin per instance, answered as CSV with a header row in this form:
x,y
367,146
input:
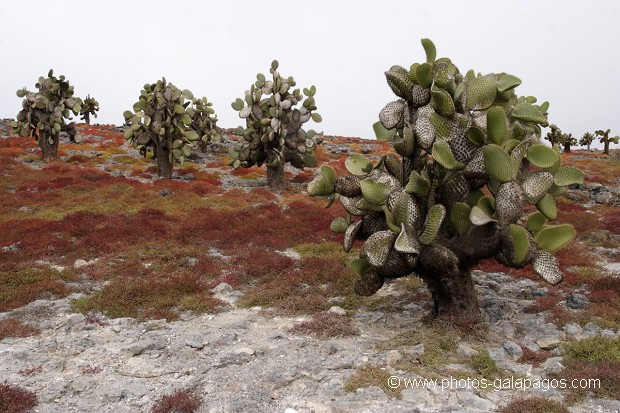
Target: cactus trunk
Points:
x,y
454,297
567,147
87,118
606,147
164,166
50,151
275,178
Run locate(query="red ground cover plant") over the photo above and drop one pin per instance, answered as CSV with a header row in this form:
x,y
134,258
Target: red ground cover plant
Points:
x,y
181,401
10,327
326,325
14,399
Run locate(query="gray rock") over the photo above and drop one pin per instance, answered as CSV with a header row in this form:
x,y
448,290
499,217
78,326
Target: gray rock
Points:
x,y
139,347
165,192
513,349
591,328
608,333
498,354
603,198
366,149
572,329
465,350
553,365
337,310
416,351
475,402
547,343
371,393
393,357
593,186
577,301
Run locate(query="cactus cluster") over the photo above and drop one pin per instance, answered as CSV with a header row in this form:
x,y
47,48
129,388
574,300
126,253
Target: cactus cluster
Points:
x,y
274,132
586,140
44,113
556,137
90,106
605,139
470,161
171,121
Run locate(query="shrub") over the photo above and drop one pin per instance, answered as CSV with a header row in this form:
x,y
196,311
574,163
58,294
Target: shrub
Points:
x,y
327,325
534,405
178,402
16,400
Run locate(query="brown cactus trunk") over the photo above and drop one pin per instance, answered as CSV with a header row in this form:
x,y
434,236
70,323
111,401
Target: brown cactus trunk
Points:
x,y
566,147
275,176
50,151
87,118
164,166
454,297
606,150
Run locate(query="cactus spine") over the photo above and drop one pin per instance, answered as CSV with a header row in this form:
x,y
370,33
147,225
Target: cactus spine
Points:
x,y
424,213
274,133
44,113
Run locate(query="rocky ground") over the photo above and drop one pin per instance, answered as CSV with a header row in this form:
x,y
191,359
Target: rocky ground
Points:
x,y
249,360
244,360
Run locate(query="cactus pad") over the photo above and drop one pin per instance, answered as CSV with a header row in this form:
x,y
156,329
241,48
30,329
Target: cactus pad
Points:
x,y
553,237
378,246
542,156
547,207
368,283
520,243
536,185
434,220
480,92
568,175
350,235
509,203
392,114
497,163
547,267
358,164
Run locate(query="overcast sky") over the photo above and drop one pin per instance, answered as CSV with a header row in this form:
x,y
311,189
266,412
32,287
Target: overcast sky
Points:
x,y
566,52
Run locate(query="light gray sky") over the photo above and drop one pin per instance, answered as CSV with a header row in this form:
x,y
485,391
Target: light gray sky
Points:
x,y
565,51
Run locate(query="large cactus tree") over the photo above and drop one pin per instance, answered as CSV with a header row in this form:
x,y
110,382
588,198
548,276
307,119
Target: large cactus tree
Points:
x,y
586,140
470,162
90,106
45,112
274,133
169,120
606,140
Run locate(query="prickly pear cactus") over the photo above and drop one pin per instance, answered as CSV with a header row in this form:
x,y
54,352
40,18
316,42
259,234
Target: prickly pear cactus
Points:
x,y
606,140
586,140
470,161
44,113
204,123
90,106
169,120
274,132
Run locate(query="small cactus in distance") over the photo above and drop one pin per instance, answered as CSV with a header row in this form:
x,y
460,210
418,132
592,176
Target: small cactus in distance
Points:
x,y
554,136
44,113
169,120
586,140
567,141
606,140
274,133
90,106
458,192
